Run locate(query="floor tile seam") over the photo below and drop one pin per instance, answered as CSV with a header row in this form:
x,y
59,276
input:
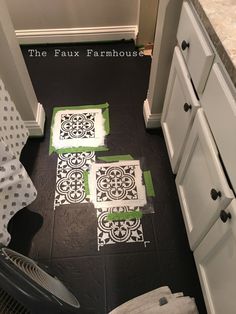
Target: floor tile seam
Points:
x,y
105,284
52,233
53,225
75,257
103,255
130,253
155,234
160,248
176,250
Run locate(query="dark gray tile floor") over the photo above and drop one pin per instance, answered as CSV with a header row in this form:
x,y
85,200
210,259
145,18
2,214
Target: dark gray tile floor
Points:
x,y
66,239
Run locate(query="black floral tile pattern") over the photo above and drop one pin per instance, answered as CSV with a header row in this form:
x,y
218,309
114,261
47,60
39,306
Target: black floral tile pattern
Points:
x,y
70,179
79,125
116,183
111,232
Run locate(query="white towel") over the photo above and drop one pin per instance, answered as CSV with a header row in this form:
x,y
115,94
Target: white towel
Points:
x,y
181,305
148,303
137,303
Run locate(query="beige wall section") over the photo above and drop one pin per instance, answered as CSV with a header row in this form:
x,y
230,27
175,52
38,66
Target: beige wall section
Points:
x,y
16,78
46,14
147,21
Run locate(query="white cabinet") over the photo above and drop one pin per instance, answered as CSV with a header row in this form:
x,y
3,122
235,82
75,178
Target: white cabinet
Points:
x,y
202,150
201,183
196,50
215,258
179,109
219,104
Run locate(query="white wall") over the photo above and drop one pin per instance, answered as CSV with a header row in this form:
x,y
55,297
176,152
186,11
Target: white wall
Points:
x,y
43,14
16,78
50,21
147,21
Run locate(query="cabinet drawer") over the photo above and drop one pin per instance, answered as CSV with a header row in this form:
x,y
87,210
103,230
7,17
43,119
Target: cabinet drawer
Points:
x,y
220,107
201,183
179,109
215,259
198,53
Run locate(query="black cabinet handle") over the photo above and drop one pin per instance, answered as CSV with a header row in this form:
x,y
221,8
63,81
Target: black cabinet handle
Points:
x,y
187,107
185,45
215,194
224,216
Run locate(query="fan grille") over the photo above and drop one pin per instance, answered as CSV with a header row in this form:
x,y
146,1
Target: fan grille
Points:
x,y
32,270
9,305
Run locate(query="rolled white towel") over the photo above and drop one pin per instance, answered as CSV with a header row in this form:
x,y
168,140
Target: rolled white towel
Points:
x,y
148,303
181,305
135,305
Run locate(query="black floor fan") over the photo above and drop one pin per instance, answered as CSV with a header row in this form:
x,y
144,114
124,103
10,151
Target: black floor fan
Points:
x,y
27,288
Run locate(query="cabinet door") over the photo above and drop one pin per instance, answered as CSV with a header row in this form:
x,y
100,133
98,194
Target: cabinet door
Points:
x,y
201,184
196,49
179,109
215,258
219,104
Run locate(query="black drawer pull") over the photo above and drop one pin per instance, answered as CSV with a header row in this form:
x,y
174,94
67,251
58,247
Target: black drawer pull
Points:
x,y
185,45
224,216
215,194
187,107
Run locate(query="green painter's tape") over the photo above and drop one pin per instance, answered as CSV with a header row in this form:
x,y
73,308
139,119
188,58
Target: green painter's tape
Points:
x,y
105,109
107,121
81,149
125,215
99,106
148,183
116,158
86,183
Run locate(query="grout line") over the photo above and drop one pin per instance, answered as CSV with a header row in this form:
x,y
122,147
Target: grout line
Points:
x,y
104,255
105,283
155,233
53,223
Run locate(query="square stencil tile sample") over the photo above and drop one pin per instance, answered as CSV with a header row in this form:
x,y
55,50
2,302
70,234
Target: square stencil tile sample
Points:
x,y
70,180
111,232
78,128
117,184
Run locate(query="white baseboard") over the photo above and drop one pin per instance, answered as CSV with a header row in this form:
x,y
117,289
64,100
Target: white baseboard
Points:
x,y
70,35
36,127
152,120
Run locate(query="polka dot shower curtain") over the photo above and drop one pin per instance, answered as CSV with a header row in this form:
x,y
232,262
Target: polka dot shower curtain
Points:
x,y
16,188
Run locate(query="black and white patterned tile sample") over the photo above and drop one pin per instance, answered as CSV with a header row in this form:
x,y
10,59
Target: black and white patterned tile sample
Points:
x,y
117,184
78,128
70,180
120,231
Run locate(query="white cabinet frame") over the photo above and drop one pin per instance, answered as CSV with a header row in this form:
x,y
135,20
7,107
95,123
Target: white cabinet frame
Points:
x,y
199,173
179,109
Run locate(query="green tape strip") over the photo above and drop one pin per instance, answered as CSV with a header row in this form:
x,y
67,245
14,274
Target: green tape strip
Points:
x,y
99,106
105,109
86,182
148,183
107,121
81,149
115,158
125,215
